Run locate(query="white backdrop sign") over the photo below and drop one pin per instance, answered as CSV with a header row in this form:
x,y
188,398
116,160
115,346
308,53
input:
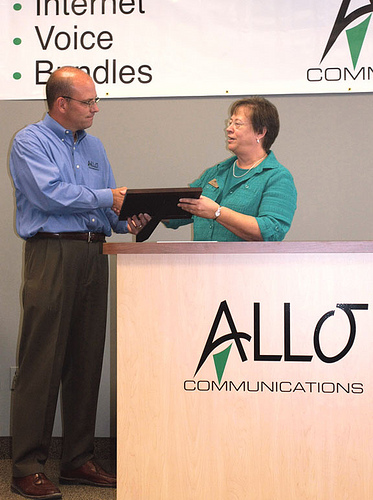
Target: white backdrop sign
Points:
x,y
147,48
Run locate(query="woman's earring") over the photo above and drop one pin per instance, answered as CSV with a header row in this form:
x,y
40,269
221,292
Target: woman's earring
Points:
x,y
258,140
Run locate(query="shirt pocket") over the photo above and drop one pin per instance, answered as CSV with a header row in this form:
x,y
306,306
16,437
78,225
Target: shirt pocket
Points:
x,y
211,192
93,176
245,199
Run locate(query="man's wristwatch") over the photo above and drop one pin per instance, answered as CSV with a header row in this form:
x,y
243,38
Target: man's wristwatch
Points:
x,y
218,212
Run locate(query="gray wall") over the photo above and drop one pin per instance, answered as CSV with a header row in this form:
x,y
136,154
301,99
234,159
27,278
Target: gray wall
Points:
x,y
325,141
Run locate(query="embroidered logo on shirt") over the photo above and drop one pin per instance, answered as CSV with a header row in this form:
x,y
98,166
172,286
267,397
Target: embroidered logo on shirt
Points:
x,y
92,164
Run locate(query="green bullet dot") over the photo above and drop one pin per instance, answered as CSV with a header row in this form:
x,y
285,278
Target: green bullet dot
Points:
x,y
17,6
17,41
17,76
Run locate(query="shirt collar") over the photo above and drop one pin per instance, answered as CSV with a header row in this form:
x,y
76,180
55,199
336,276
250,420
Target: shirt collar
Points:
x,y
60,131
269,162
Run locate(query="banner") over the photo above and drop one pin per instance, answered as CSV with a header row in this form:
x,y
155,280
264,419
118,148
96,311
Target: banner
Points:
x,y
149,48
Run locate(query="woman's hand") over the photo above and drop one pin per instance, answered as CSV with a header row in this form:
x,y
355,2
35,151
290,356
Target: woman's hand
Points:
x,y
202,207
244,226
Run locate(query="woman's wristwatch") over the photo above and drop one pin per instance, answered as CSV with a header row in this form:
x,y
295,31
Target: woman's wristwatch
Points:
x,y
218,212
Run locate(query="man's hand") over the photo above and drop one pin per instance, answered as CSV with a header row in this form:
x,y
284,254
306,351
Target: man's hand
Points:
x,y
137,222
118,197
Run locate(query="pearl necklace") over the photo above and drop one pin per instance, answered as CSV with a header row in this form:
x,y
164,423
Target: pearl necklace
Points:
x,y
247,170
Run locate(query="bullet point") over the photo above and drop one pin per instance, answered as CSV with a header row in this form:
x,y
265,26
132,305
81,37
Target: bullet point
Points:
x,y
17,6
17,76
17,41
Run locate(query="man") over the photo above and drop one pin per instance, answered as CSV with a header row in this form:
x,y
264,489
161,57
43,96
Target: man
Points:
x,y
67,203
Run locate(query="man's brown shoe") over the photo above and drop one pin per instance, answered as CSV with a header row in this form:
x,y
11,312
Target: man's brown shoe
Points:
x,y
35,486
90,473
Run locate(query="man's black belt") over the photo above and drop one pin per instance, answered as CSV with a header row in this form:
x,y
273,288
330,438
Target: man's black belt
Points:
x,y
90,237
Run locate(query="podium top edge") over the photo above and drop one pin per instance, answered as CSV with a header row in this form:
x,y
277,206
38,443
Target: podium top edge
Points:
x,y
244,247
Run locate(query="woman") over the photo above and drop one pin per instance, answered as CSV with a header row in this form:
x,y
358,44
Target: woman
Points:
x,y
250,196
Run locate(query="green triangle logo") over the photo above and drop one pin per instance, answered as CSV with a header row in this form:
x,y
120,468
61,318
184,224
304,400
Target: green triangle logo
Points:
x,y
355,37
220,360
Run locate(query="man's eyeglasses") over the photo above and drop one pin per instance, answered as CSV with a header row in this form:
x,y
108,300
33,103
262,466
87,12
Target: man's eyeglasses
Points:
x,y
89,103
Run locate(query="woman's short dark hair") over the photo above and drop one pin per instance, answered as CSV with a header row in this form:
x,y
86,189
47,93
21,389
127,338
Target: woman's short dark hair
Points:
x,y
264,115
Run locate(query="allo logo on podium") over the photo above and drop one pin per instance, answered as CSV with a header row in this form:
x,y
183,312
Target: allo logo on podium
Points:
x,y
221,358
234,336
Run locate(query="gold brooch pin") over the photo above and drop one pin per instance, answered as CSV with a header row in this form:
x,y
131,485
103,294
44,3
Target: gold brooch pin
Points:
x,y
214,183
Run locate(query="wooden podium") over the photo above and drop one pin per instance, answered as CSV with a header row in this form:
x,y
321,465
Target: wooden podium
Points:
x,y
245,371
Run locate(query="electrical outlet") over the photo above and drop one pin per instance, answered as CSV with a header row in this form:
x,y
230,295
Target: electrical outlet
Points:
x,y
13,370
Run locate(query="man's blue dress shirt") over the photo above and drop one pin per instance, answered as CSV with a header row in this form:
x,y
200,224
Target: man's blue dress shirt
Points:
x,y
62,185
